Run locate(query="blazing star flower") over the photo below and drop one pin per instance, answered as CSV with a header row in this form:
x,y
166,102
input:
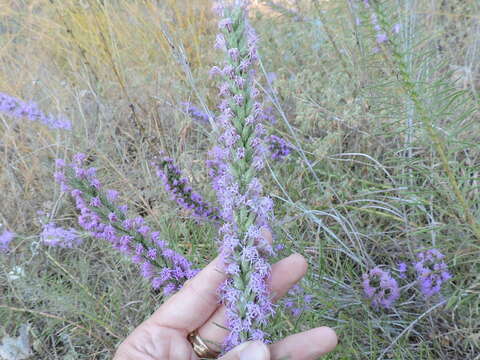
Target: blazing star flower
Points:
x,y
279,147
380,288
181,192
432,272
104,219
233,165
17,108
5,240
53,235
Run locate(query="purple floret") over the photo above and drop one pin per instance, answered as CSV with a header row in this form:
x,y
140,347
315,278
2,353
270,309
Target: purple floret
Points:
x,y
53,235
402,269
5,240
380,288
279,147
432,272
181,192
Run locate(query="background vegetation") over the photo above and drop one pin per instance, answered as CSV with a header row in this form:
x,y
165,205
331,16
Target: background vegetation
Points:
x,y
365,186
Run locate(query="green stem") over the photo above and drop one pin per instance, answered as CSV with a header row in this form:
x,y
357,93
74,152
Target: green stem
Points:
x,y
409,88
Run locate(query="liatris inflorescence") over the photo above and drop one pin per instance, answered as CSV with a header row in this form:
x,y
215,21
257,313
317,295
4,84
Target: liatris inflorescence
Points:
x,y
56,236
17,108
105,219
236,161
180,190
380,287
5,239
432,271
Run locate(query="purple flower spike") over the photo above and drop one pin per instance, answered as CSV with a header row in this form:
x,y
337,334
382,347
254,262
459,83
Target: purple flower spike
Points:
x,y
432,272
17,108
233,167
181,192
104,219
380,288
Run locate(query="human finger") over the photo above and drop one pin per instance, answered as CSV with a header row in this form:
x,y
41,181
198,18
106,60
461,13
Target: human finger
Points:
x,y
308,345
193,305
252,350
195,302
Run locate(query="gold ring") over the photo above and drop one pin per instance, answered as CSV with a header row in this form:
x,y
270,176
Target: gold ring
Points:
x,y
200,348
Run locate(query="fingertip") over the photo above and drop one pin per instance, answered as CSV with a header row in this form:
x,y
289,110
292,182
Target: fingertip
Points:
x,y
310,344
299,262
328,338
250,350
256,350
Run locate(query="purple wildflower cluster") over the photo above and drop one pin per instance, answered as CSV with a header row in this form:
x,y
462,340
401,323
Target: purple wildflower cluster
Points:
x,y
5,240
180,190
53,235
279,147
380,287
297,300
105,219
234,164
17,108
432,271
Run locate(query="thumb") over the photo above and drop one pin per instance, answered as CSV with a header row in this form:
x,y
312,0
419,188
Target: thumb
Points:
x,y
251,350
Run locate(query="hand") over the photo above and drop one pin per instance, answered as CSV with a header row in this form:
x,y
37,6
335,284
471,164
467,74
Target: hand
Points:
x,y
195,307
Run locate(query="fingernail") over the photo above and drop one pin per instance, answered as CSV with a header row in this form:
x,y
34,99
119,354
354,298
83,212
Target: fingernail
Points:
x,y
254,351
